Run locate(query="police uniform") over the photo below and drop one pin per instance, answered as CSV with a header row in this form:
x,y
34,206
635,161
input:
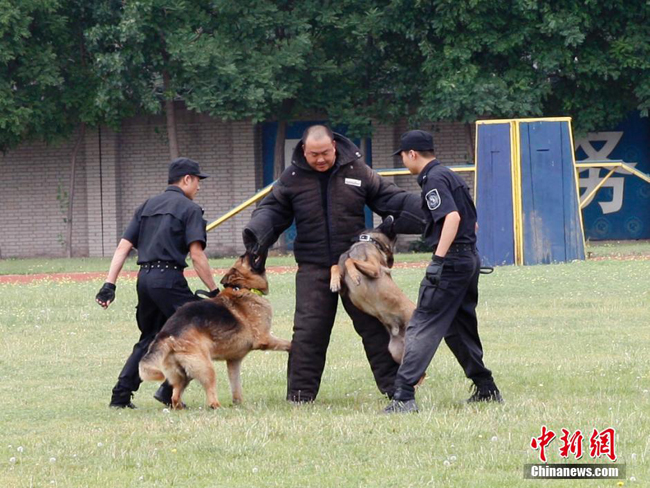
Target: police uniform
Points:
x,y
446,310
162,230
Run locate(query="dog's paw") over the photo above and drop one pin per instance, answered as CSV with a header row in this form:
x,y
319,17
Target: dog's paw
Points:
x,y
215,405
335,286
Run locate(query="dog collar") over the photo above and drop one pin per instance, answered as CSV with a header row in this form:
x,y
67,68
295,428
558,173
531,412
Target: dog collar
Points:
x,y
369,238
252,290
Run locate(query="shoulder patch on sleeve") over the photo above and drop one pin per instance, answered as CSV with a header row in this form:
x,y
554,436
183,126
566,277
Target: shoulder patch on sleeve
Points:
x,y
433,199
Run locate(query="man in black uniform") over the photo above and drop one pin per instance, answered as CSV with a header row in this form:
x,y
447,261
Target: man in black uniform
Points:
x,y
164,229
449,291
325,189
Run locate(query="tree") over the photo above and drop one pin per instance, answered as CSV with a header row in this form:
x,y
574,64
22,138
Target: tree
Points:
x,y
134,44
47,88
526,58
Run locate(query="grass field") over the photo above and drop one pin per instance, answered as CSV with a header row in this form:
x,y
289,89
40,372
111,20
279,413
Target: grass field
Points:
x,y
569,346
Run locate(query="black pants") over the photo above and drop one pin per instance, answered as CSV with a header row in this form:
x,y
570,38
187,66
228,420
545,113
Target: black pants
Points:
x,y
160,294
449,311
314,317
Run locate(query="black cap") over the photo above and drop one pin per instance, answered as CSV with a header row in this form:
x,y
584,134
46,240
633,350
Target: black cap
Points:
x,y
180,167
417,140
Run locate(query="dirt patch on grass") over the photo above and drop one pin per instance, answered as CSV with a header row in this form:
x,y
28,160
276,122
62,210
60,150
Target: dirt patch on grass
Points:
x,y
190,273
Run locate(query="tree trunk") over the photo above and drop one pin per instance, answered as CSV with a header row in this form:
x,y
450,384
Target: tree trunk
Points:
x,y
470,143
73,171
170,114
281,137
278,151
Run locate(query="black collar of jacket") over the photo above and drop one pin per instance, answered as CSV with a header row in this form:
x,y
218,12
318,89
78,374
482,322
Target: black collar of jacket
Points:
x,y
176,189
368,238
423,174
346,152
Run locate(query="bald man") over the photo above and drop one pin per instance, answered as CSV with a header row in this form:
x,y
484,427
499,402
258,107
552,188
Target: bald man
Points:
x,y
325,189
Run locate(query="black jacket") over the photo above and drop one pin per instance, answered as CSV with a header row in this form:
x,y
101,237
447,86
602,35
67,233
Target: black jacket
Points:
x,y
326,225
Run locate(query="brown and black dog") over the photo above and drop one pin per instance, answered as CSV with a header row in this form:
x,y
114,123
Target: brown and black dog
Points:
x,y
226,327
363,274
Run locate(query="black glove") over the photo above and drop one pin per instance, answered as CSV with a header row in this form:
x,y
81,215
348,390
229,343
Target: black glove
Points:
x,y
434,270
207,294
250,242
106,294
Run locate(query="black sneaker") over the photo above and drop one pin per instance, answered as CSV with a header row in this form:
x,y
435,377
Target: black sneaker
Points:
x,y
485,393
397,406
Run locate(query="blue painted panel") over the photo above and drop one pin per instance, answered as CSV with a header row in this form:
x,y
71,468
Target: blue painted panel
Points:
x,y
551,222
496,241
621,208
573,232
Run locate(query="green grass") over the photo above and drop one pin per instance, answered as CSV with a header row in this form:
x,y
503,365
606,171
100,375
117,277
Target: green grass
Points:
x,y
596,249
569,346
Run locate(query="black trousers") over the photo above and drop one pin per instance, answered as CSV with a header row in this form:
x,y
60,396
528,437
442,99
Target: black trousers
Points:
x,y
447,311
313,320
160,294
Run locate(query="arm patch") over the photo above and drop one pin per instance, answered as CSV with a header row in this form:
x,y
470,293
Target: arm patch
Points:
x,y
433,199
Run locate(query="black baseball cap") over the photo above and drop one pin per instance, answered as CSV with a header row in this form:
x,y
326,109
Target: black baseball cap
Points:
x,y
180,167
417,140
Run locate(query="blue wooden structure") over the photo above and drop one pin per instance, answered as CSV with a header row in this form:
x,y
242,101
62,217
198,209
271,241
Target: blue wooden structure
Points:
x,y
526,192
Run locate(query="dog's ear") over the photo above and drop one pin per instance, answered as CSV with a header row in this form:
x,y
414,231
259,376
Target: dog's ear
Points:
x,y
257,262
230,276
387,227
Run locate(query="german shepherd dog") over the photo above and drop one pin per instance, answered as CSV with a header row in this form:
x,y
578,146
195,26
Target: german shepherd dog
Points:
x,y
226,327
363,273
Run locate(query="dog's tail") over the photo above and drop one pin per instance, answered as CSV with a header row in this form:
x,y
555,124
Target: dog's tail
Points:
x,y
151,364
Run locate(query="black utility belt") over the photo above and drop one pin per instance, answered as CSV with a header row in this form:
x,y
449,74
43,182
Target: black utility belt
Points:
x,y
456,248
161,265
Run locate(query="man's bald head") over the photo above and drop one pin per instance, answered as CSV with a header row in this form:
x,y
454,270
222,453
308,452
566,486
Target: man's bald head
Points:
x,y
317,133
319,147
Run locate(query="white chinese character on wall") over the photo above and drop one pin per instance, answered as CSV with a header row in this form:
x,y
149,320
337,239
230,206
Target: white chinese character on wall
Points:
x,y
593,178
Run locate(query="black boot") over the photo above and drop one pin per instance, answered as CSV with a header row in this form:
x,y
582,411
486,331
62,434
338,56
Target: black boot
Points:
x,y
164,395
122,399
487,392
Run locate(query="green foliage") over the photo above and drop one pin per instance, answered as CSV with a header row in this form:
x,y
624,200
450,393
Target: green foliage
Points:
x,y
46,82
525,58
351,61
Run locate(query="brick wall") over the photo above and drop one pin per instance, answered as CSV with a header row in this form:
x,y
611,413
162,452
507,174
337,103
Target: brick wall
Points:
x,y
452,148
116,171
32,219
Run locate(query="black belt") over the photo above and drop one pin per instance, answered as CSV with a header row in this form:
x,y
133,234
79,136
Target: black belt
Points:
x,y
455,248
160,265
